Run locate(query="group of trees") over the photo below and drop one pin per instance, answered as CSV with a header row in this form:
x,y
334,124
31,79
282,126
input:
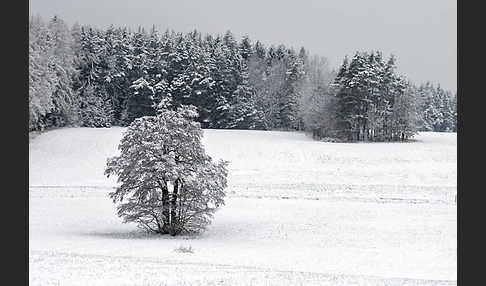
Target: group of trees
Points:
x,y
438,108
103,77
373,102
369,101
52,100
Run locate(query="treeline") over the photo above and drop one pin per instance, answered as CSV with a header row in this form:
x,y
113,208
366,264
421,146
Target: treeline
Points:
x,y
102,77
115,75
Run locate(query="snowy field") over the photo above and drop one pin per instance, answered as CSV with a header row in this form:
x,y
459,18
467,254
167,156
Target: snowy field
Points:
x,y
298,212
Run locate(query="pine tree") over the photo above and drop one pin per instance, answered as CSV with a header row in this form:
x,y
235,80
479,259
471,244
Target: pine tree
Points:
x,y
112,73
346,102
96,109
139,102
244,113
259,50
222,72
448,112
246,48
94,112
66,103
289,97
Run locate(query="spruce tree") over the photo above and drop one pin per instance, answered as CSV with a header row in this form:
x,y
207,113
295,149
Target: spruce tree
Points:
x,y
66,103
289,97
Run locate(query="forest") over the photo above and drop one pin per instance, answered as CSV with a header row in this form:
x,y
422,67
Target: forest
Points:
x,y
81,75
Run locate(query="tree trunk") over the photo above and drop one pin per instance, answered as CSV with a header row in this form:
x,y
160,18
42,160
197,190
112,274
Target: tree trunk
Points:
x,y
165,207
174,225
366,131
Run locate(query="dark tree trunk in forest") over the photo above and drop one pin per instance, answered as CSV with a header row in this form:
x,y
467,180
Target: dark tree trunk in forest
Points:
x,y
174,226
165,207
366,132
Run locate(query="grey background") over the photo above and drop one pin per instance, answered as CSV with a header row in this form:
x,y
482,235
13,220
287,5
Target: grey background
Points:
x,y
421,34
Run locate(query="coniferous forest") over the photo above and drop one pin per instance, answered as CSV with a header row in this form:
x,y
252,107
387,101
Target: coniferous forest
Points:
x,y
86,76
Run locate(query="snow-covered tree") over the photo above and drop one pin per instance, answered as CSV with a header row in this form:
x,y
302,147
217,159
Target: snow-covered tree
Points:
x,y
42,78
372,99
405,113
244,113
168,183
454,113
245,48
222,72
96,108
317,106
52,101
94,111
290,94
66,102
438,109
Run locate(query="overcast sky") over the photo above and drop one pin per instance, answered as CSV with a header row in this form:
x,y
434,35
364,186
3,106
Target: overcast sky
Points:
x,y
421,34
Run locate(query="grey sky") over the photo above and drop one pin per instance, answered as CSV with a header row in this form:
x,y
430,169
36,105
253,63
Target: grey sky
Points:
x,y
421,34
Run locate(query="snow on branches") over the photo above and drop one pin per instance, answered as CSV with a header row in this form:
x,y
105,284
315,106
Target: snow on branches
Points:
x,y
168,183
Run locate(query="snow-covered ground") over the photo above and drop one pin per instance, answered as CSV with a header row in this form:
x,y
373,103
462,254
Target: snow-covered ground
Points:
x,y
298,212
